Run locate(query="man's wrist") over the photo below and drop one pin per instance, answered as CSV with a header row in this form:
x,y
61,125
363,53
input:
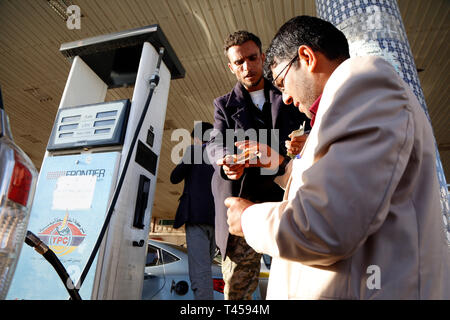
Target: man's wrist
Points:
x,y
243,223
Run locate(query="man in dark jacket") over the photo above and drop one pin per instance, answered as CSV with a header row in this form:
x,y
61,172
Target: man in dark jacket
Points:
x,y
196,211
252,110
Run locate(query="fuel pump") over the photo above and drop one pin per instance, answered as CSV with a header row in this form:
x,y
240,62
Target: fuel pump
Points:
x,y
95,189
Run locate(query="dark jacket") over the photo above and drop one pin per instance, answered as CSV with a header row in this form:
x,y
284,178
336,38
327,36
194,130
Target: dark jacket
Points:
x,y
234,111
197,202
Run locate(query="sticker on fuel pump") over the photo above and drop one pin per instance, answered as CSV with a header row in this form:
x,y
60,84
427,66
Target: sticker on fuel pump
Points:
x,y
63,236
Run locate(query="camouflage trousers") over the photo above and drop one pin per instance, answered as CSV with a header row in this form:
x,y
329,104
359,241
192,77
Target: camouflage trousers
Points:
x,y
240,269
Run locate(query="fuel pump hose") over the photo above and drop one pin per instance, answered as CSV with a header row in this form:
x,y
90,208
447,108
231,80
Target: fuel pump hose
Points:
x,y
33,241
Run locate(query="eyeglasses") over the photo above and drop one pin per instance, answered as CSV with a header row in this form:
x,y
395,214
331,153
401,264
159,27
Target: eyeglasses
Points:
x,y
288,66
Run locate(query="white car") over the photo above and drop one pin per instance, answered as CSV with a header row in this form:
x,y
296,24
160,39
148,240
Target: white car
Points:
x,y
166,275
18,178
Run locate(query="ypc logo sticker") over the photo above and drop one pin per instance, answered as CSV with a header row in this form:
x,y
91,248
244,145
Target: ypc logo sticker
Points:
x,y
63,236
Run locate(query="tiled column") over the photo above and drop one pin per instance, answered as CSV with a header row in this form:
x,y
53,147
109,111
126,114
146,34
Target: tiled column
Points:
x,y
375,27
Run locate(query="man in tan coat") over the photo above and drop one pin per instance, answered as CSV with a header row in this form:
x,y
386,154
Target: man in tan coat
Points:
x,y
361,216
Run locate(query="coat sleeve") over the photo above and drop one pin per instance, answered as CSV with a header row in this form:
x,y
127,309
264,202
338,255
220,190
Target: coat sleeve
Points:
x,y
362,145
217,147
282,180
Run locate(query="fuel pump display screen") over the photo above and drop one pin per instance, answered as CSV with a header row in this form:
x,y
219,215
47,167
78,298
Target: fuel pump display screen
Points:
x,y
94,125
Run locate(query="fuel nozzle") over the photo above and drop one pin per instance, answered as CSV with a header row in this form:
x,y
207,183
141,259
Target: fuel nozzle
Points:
x,y
33,241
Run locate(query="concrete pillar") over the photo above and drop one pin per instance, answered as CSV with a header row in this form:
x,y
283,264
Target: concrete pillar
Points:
x,y
375,27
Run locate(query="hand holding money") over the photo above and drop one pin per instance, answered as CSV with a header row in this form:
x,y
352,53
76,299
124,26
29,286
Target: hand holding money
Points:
x,y
231,167
259,154
298,138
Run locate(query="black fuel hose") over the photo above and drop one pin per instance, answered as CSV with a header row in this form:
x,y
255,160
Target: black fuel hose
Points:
x,y
33,241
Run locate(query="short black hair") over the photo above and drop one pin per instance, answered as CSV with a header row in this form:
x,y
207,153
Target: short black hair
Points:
x,y
238,38
200,128
318,34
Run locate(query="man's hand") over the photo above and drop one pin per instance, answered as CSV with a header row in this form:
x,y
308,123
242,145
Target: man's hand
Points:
x,y
236,207
267,157
233,170
295,145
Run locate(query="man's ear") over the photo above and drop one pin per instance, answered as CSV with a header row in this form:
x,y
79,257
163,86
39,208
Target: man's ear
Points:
x,y
308,56
230,67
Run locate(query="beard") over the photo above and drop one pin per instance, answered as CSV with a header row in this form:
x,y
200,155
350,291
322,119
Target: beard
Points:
x,y
309,93
248,84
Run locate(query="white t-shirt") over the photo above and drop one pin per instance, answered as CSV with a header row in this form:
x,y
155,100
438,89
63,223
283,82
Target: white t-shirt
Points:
x,y
258,98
